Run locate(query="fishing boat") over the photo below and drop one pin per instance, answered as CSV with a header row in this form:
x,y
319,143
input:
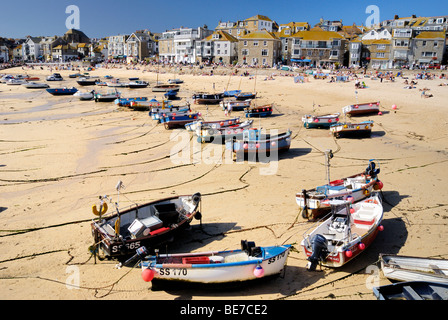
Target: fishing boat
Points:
x,y
172,94
257,145
174,112
62,91
361,108
412,290
126,102
245,95
408,268
204,98
31,78
206,133
151,224
261,111
234,105
323,121
6,78
109,96
178,120
249,263
117,84
85,95
316,202
165,87
55,77
231,93
138,84
75,75
351,130
35,85
192,126
16,82
175,81
148,105
87,81
349,230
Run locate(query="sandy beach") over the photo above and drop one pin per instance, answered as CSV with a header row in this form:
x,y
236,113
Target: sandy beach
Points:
x,y
59,154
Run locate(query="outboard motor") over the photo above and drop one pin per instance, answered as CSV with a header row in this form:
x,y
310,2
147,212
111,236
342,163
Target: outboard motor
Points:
x,y
371,171
319,251
140,254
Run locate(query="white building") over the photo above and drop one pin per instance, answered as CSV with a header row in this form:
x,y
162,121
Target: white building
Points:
x,y
117,46
178,45
219,47
31,49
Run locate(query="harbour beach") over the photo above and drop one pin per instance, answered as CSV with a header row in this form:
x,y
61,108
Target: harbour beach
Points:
x,y
59,154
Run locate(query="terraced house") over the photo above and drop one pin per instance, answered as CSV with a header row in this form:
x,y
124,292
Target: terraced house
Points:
x,y
318,47
429,47
219,47
259,48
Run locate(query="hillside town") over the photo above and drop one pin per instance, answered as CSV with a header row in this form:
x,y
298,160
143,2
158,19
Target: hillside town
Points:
x,y
401,42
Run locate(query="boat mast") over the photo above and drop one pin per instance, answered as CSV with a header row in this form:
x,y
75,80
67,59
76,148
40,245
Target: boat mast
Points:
x,y
328,156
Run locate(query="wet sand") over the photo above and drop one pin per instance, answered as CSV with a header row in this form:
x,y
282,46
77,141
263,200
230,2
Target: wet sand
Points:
x,y
58,154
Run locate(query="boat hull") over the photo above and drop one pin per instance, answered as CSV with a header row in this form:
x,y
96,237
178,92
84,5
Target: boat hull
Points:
x,y
324,121
192,126
178,120
412,290
263,111
165,88
352,130
361,108
220,135
223,272
407,268
62,91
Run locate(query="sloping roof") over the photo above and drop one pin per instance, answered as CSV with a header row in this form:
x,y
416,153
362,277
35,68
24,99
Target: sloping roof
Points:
x,y
376,41
263,34
258,17
431,35
317,35
223,36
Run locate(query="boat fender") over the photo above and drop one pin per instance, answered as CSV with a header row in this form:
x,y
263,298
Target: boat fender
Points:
x,y
102,211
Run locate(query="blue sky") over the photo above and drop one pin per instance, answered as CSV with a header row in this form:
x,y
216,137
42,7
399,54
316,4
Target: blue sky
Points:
x,y
101,18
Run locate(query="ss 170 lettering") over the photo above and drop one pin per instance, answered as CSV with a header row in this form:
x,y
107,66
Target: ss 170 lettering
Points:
x,y
173,272
276,258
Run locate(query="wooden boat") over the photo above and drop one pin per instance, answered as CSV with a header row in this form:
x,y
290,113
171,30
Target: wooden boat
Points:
x,y
62,91
349,230
316,202
361,108
175,81
216,267
75,75
178,120
109,96
160,113
323,121
87,81
35,85
126,102
32,79
165,87
257,145
192,126
204,98
55,77
149,224
412,290
206,133
351,130
85,96
245,95
261,111
138,84
234,105
408,268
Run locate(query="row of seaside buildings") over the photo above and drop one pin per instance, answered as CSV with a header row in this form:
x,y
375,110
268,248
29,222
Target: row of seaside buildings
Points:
x,y
258,40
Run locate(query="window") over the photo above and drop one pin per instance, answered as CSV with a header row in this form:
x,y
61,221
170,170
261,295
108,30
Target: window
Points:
x,y
245,43
355,45
354,55
264,52
435,44
381,47
218,52
245,52
255,43
380,54
424,43
334,53
265,43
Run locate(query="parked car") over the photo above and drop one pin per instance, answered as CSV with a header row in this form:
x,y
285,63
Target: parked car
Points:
x,y
434,66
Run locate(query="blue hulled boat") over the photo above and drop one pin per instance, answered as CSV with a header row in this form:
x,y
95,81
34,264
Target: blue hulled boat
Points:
x,y
62,91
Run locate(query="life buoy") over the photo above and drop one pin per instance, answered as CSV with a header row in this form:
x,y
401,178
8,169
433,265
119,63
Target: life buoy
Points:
x,y
103,210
